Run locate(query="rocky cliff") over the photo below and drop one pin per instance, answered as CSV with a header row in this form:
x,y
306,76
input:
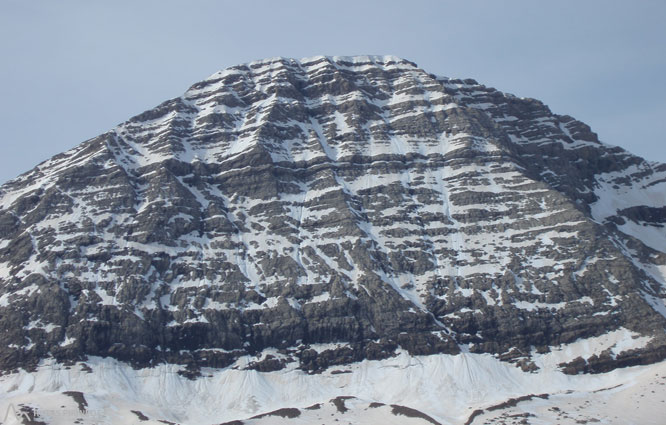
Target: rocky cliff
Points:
x,y
333,209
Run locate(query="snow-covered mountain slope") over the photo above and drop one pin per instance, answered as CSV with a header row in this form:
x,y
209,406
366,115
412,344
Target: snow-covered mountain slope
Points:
x,y
421,390
327,211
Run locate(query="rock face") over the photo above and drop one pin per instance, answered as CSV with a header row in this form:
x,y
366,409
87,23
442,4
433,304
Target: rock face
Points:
x,y
333,209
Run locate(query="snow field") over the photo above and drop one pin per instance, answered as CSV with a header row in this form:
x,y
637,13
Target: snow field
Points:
x,y
446,387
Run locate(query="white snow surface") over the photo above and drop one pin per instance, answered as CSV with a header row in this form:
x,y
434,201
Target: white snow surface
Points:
x,y
448,388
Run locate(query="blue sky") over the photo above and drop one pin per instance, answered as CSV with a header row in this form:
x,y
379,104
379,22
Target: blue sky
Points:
x,y
74,69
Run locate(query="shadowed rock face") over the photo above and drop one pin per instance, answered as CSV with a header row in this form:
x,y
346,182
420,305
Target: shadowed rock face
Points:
x,y
352,200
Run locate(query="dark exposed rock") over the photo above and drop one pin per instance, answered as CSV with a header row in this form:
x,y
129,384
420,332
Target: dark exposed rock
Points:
x,y
339,403
512,402
314,407
268,364
28,415
412,413
287,412
79,398
140,415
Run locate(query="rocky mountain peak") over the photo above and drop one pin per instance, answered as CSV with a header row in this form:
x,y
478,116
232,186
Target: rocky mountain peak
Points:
x,y
332,209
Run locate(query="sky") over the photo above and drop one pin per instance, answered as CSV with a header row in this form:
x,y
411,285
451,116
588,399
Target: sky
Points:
x,y
73,69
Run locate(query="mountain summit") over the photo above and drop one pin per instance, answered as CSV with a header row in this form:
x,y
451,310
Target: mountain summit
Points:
x,y
332,211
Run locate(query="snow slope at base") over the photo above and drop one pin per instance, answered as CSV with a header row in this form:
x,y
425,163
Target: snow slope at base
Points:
x,y
639,401
447,388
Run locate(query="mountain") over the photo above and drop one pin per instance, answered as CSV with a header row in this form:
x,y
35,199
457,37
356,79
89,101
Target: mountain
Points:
x,y
318,218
